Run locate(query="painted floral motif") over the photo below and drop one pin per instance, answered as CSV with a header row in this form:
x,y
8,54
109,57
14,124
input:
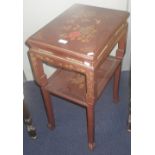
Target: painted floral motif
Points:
x,y
87,33
83,34
78,80
81,26
73,35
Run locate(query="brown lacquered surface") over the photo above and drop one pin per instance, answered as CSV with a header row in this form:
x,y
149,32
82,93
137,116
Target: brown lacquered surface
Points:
x,y
81,26
78,44
72,86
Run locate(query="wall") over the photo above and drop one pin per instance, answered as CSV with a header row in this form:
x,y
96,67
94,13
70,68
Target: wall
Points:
x,y
38,13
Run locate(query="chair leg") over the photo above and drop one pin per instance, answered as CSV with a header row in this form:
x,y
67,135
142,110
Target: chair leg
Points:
x,y
90,127
28,122
129,106
48,107
116,84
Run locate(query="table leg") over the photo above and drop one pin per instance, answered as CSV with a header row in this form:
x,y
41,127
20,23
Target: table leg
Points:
x,y
90,127
116,84
48,107
119,55
90,96
41,79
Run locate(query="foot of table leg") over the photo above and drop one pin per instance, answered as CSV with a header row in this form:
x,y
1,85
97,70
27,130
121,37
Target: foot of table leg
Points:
x,y
91,146
50,126
49,109
90,126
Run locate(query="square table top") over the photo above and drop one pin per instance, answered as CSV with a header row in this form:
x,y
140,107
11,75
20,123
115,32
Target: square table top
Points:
x,y
81,30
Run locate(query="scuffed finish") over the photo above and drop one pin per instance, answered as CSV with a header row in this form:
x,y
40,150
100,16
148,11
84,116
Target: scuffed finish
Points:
x,y
81,27
79,42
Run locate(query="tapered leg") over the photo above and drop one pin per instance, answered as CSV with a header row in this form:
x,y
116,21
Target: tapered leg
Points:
x,y
48,107
116,84
90,96
41,79
90,127
119,55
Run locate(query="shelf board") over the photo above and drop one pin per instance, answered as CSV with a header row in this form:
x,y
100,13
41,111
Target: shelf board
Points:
x,y
105,73
71,85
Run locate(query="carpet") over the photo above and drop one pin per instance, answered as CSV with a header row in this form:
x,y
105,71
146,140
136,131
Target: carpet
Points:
x,y
70,135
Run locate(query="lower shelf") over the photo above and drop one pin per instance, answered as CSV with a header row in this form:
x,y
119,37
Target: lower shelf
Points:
x,y
71,85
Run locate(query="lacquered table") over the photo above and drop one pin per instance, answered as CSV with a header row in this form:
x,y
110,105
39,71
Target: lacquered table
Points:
x,y
78,43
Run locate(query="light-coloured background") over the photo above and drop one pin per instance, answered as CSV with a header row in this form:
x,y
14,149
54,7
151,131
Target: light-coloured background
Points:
x,y
38,13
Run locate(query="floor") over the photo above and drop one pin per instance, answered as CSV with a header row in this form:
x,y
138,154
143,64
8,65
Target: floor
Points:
x,y
70,135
